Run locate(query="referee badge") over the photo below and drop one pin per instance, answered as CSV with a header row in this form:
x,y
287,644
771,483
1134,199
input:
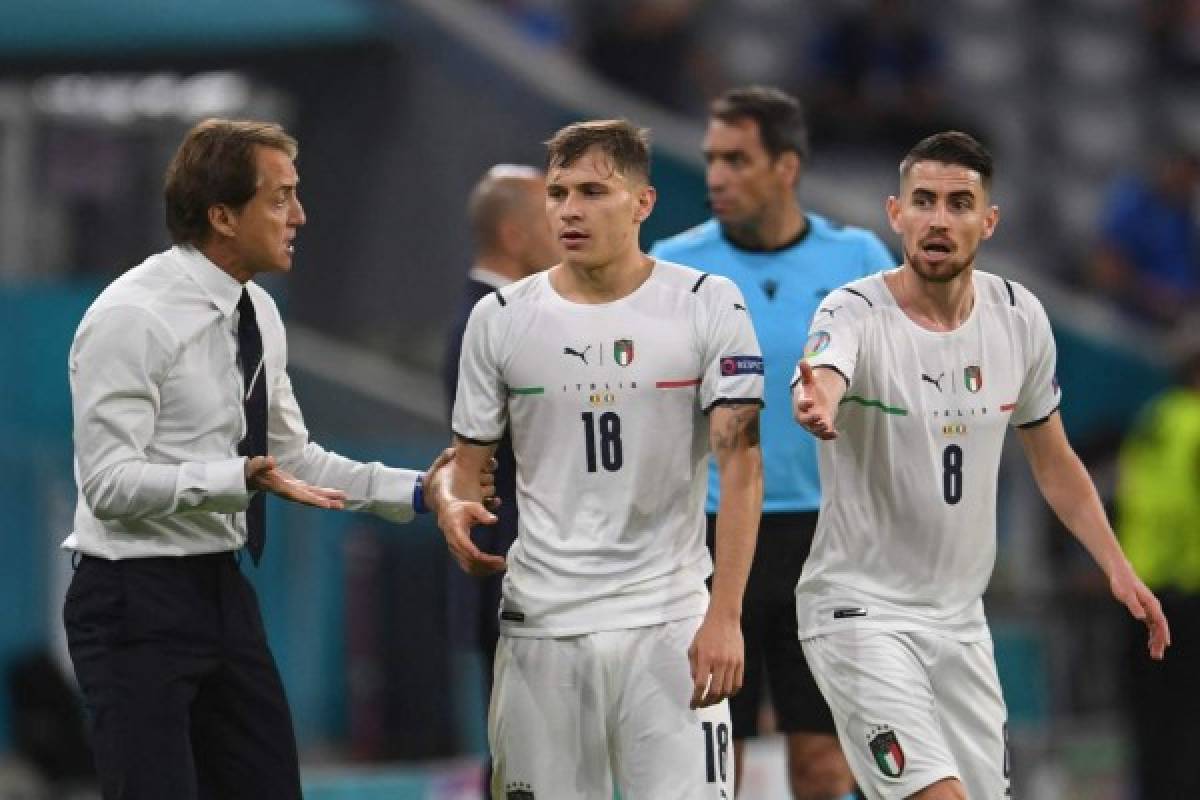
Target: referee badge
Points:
x,y
889,756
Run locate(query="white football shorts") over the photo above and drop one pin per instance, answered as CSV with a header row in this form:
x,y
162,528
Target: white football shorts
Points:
x,y
570,714
913,708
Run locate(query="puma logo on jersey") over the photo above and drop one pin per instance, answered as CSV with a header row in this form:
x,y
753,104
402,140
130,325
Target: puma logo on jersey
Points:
x,y
580,354
830,311
769,288
739,307
937,383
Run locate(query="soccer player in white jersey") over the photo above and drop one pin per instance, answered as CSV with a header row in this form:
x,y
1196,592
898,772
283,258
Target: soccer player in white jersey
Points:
x,y
617,374
913,383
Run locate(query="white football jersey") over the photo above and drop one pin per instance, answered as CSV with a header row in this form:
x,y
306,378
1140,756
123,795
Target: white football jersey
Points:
x,y
906,538
606,404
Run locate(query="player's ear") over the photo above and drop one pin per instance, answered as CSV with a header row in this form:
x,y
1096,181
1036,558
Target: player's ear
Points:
x,y
990,220
893,212
644,200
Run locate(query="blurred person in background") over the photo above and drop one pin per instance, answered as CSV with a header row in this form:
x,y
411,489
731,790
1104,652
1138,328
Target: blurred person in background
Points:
x,y
912,387
1173,28
614,661
507,214
184,420
1147,260
784,260
1158,519
647,47
877,76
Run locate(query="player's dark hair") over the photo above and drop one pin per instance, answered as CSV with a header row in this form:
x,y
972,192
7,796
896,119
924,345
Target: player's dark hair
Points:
x,y
780,117
626,145
215,165
951,147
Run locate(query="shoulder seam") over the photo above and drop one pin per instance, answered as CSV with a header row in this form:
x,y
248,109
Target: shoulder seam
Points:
x,y
500,297
701,280
865,299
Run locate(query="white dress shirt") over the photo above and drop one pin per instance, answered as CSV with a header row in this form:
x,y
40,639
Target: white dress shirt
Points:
x,y
156,396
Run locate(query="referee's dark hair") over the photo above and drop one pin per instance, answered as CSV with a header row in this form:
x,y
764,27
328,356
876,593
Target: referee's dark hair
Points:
x,y
215,165
780,117
951,147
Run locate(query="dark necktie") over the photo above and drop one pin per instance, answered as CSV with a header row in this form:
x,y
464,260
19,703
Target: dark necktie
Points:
x,y
250,360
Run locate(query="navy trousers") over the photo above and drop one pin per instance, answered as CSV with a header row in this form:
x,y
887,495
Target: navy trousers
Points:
x,y
183,697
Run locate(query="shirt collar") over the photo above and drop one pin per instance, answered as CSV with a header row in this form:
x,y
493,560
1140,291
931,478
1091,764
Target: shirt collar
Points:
x,y
485,275
219,285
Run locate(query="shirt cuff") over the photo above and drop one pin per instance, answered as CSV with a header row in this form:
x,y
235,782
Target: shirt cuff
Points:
x,y
218,486
393,498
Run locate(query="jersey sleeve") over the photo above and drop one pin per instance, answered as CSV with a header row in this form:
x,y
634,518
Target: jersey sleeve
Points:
x,y
733,362
833,335
481,402
1040,395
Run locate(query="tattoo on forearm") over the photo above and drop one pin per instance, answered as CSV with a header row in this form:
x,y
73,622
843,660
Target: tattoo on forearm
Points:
x,y
738,430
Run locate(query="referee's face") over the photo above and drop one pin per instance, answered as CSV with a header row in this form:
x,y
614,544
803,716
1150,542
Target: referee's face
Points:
x,y
942,214
744,180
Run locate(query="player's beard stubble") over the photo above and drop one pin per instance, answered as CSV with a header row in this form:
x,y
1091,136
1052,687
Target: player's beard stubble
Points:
x,y
944,272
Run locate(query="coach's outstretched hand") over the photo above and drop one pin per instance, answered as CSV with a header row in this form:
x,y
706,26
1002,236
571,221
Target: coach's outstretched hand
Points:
x,y
264,475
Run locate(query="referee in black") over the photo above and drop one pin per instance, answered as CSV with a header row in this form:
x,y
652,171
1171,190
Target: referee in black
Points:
x,y
184,419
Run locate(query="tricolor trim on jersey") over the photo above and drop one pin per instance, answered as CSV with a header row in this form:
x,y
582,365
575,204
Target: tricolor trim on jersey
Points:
x,y
862,401
527,390
677,384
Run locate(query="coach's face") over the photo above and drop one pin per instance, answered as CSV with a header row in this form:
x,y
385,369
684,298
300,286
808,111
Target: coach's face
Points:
x,y
595,211
743,179
262,232
942,214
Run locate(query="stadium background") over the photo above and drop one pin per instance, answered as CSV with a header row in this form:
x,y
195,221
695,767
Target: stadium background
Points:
x,y
399,107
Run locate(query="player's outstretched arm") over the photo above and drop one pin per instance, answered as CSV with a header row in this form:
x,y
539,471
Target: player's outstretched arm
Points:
x,y
1069,490
456,493
717,653
815,397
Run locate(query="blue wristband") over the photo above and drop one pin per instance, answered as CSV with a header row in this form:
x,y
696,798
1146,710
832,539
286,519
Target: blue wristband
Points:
x,y
418,501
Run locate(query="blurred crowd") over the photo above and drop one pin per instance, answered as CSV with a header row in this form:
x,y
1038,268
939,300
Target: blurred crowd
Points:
x,y
1108,185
